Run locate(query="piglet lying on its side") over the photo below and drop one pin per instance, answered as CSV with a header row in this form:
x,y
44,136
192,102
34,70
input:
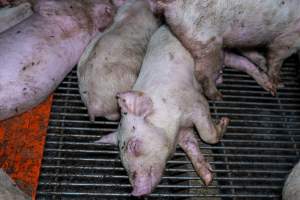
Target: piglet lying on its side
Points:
x,y
291,189
111,63
38,53
159,113
206,27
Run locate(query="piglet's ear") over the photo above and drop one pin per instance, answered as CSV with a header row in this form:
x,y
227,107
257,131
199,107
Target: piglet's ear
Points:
x,y
111,138
135,102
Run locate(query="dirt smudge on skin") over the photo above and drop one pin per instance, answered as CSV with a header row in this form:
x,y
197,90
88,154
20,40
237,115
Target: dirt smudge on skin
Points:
x,y
171,56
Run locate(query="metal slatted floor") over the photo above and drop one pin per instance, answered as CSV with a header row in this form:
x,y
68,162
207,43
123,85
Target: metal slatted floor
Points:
x,y
251,162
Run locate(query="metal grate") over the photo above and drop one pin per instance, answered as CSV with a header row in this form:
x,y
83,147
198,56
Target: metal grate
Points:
x,y
251,162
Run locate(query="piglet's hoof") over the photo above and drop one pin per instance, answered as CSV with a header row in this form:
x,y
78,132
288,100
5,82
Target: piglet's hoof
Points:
x,y
205,172
222,126
272,89
276,81
224,121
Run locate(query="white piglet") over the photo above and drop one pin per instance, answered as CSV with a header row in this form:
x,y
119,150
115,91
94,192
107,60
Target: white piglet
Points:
x,y
111,63
160,112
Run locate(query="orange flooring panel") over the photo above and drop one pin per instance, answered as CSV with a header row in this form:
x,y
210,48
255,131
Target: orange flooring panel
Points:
x,y
22,140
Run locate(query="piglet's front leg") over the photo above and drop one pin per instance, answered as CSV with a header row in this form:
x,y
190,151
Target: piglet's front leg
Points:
x,y
189,144
208,55
208,63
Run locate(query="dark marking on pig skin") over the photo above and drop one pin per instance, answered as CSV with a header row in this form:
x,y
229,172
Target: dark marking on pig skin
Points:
x,y
171,56
164,100
134,175
124,113
25,93
201,160
18,32
133,128
30,65
25,67
67,34
16,109
81,13
101,29
122,147
108,68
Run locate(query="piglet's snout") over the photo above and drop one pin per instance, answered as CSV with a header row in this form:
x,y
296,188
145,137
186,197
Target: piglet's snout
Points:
x,y
142,185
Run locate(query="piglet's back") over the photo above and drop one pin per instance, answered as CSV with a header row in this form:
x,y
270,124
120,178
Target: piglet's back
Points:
x,y
113,62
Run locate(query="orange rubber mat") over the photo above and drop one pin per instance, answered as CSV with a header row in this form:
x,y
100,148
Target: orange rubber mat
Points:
x,y
22,140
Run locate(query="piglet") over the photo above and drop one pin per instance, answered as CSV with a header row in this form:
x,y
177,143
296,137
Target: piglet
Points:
x,y
206,27
112,61
38,53
291,189
160,112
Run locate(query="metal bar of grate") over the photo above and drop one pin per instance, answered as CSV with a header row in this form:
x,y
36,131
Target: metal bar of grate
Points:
x,y
251,162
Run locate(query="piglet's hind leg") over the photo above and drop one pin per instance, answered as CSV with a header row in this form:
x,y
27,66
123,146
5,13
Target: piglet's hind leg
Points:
x,y
281,48
189,144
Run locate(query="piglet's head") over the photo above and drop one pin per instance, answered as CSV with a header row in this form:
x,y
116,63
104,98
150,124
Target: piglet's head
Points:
x,y
144,148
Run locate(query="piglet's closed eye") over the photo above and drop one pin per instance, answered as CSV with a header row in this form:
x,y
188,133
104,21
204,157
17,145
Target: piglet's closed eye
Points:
x,y
136,103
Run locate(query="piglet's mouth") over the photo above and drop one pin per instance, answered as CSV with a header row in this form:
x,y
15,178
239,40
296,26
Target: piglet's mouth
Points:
x,y
141,191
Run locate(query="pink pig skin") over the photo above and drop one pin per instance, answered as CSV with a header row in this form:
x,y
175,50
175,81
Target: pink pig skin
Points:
x,y
159,113
206,27
38,53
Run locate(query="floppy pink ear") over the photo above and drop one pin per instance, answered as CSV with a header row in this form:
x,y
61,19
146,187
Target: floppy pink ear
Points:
x,y
111,138
135,102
